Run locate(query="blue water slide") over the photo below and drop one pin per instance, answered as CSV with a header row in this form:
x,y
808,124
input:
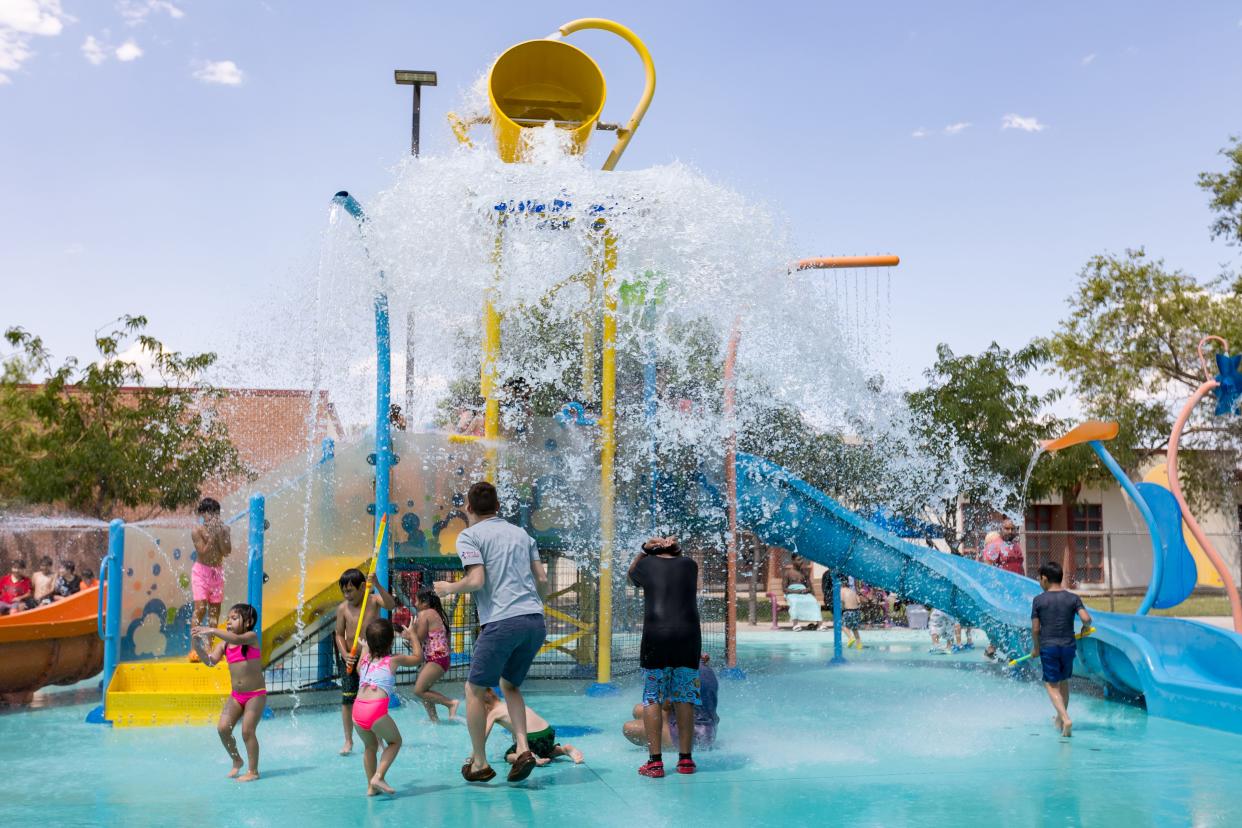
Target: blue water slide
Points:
x,y
1183,670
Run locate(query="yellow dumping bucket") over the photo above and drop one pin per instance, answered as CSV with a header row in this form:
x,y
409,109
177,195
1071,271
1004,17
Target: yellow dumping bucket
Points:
x,y
540,81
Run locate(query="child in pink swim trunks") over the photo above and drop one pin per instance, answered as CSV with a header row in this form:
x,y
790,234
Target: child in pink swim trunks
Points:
x,y
212,544
431,626
377,684
239,646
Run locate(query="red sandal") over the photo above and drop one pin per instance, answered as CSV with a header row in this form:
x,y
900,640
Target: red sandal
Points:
x,y
686,766
652,768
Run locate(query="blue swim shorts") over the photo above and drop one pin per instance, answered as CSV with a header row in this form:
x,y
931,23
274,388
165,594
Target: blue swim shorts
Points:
x,y
1058,662
505,649
675,684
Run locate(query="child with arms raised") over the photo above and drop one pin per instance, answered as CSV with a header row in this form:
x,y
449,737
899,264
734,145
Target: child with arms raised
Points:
x,y
1052,639
377,683
239,646
431,626
354,586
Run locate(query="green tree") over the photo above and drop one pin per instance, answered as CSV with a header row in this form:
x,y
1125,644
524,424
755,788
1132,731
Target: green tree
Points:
x,y
92,444
1226,191
980,422
1129,348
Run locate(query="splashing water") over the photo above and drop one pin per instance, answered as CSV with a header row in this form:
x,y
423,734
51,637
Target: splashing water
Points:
x,y
691,255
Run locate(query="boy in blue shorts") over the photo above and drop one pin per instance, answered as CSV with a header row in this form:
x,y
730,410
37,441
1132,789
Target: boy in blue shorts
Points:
x,y
1052,639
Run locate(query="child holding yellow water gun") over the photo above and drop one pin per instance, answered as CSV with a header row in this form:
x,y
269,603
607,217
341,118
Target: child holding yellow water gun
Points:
x,y
377,685
355,587
1053,641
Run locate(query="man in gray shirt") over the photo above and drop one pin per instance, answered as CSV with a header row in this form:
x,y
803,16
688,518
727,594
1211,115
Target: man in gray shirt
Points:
x,y
509,582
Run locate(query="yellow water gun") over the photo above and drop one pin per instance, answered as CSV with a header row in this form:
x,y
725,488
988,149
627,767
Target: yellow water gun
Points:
x,y
1086,631
362,612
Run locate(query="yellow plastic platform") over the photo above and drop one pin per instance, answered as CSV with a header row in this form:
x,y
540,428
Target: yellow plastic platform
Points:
x,y
166,692
178,692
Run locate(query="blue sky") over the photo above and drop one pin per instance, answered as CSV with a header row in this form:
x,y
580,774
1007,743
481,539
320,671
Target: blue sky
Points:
x,y
171,158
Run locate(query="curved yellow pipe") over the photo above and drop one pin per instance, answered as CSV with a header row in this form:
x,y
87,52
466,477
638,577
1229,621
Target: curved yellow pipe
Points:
x,y
625,133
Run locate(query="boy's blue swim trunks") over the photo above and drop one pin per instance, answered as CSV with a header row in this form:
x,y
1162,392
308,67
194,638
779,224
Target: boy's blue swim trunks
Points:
x,y
1058,662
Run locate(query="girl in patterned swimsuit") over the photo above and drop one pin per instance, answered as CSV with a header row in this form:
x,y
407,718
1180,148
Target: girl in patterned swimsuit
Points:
x,y
377,684
432,629
239,646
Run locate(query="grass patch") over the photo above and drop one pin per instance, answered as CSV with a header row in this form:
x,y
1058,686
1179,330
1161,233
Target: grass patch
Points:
x,y
1195,605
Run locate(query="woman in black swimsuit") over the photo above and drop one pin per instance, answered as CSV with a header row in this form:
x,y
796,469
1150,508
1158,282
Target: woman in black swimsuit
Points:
x,y
671,646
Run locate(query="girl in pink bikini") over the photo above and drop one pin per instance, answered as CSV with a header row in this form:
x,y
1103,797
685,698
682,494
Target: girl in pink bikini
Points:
x,y
431,626
239,646
377,683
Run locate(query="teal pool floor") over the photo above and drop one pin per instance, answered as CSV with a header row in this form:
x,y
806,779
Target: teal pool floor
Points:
x,y
895,737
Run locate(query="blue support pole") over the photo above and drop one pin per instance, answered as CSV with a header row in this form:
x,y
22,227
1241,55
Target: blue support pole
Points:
x,y
112,575
1157,544
254,559
383,431
383,397
838,652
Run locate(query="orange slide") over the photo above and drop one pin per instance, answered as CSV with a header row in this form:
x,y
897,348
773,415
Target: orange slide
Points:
x,y
54,644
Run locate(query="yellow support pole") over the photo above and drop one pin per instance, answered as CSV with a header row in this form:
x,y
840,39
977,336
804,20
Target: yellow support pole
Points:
x,y
487,378
588,351
607,457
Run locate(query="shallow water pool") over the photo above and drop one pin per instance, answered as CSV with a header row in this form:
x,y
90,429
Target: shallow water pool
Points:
x,y
895,737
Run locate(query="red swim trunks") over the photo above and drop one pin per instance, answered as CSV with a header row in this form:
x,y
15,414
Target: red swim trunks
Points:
x,y
207,583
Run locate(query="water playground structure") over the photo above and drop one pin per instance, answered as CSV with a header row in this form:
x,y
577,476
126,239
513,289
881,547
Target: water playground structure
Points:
x,y
588,477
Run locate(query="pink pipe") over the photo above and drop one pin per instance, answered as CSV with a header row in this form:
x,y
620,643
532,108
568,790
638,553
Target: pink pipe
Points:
x,y
1175,486
730,388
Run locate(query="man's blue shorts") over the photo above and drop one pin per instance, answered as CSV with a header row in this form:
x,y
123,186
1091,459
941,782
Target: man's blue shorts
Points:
x,y
505,649
675,684
1058,662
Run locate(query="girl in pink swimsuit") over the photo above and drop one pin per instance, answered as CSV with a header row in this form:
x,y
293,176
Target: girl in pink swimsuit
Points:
x,y
238,645
377,683
432,628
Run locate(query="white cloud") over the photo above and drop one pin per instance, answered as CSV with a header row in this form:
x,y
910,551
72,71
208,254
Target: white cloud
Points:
x,y
20,22
1012,121
137,11
93,50
1088,59
954,129
220,71
127,51
919,133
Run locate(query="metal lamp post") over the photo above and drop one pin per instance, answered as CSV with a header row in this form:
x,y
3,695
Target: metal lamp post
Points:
x,y
417,80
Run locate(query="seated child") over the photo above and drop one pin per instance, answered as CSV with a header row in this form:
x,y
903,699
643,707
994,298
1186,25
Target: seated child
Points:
x,y
705,717
16,590
44,581
67,583
539,734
